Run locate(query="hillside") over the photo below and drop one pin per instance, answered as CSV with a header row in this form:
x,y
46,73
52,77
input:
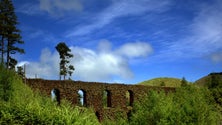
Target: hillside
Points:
x,y
207,79
19,105
162,81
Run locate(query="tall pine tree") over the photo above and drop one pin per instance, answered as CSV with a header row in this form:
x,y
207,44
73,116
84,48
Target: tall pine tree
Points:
x,y
65,55
9,34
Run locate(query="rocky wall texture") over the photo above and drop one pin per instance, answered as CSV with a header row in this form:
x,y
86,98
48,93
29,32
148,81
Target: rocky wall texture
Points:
x,y
106,99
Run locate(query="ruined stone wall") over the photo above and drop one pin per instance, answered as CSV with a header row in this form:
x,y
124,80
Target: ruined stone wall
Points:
x,y
117,98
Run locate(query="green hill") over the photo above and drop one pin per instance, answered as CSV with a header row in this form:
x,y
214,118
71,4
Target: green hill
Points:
x,y
208,79
163,81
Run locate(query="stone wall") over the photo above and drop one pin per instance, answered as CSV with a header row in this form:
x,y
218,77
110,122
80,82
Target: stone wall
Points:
x,y
118,97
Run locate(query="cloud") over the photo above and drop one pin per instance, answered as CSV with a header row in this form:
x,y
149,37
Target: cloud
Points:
x,y
120,9
203,35
47,67
29,9
92,65
207,27
216,57
137,49
56,7
96,66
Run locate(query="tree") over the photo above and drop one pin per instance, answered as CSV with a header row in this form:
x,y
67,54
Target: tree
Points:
x,y
65,55
70,71
187,105
215,86
162,83
20,71
184,82
9,34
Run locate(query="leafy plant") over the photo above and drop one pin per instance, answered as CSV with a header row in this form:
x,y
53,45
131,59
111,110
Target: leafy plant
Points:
x,y
26,107
188,105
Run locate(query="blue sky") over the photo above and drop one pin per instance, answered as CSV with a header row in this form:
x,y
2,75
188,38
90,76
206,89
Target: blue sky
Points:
x,y
124,41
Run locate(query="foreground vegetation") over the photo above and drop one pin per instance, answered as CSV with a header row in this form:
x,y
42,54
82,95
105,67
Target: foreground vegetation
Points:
x,y
19,105
188,105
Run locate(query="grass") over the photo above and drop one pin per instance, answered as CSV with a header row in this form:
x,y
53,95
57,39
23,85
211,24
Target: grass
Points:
x,y
26,107
163,81
207,79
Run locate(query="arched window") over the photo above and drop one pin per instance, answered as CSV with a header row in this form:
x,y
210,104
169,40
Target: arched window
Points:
x,y
55,95
98,116
81,97
106,98
129,96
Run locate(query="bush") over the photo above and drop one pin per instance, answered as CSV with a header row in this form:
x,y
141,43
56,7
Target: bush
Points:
x,y
188,105
26,107
5,83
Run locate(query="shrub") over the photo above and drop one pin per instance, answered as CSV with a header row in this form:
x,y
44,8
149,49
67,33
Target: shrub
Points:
x,y
188,105
6,80
26,107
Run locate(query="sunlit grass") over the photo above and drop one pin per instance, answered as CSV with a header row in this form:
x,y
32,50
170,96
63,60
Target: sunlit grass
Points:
x,y
27,107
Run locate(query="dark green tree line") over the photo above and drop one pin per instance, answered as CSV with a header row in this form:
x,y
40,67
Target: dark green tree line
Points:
x,y
215,86
10,36
65,54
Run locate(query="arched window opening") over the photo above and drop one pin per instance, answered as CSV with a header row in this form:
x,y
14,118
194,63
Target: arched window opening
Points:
x,y
129,96
98,116
106,98
81,97
55,95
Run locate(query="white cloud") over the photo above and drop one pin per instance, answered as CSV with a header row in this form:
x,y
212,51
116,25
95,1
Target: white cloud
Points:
x,y
47,67
56,7
120,9
207,27
22,63
216,57
137,49
94,66
91,65
204,34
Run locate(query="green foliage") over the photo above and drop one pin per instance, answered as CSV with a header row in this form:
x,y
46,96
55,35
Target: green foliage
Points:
x,y
214,83
189,105
65,55
20,71
184,82
162,83
215,86
5,83
26,107
9,34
